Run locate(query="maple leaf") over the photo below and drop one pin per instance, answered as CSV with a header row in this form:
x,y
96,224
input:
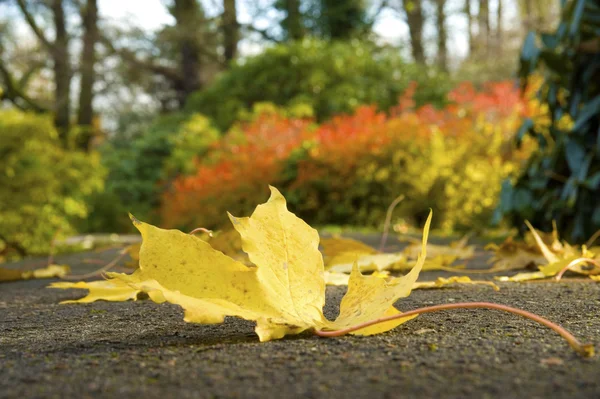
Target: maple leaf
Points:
x,y
106,290
342,253
536,249
455,250
560,258
284,293
333,278
367,263
442,282
513,255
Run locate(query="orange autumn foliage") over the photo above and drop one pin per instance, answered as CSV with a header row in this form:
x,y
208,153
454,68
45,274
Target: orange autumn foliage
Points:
x,y
348,169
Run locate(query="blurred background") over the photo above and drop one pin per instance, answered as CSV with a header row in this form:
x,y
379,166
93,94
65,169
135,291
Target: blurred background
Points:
x,y
485,111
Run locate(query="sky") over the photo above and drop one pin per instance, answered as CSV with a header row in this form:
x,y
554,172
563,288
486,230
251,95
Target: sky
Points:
x,y
151,15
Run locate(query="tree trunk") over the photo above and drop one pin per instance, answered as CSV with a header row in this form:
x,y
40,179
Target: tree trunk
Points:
x,y
469,15
484,25
85,113
62,70
292,22
58,50
442,56
415,19
499,27
188,15
230,30
527,15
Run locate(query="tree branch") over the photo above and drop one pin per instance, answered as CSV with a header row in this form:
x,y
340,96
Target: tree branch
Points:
x,y
130,57
263,32
13,92
34,26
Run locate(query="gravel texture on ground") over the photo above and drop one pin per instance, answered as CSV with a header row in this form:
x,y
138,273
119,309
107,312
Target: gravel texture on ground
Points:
x,y
144,350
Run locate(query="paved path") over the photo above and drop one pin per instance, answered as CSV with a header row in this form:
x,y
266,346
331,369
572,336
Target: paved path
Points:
x,y
144,350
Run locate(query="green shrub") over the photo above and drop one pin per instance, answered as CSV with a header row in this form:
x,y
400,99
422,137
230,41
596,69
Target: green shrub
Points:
x,y
141,160
330,77
44,187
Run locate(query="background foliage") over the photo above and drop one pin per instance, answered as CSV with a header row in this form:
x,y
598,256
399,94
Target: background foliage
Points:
x,y
343,105
349,169
562,180
44,187
329,77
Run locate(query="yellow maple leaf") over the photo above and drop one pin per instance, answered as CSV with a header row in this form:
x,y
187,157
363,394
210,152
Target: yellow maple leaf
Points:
x,y
442,282
284,293
335,246
342,253
333,278
106,290
559,258
456,250
369,263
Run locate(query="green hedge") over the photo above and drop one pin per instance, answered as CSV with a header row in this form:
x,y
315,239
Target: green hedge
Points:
x,y
329,77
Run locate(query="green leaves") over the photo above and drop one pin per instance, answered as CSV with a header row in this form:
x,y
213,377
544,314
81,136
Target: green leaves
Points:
x,y
561,179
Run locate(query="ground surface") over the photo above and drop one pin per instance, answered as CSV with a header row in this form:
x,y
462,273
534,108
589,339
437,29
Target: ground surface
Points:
x,y
144,350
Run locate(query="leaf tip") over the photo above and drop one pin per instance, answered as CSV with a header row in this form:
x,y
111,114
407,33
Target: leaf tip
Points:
x,y
275,194
134,220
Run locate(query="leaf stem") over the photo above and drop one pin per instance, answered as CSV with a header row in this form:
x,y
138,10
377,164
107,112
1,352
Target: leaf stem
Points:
x,y
586,350
575,262
103,269
201,229
388,219
592,239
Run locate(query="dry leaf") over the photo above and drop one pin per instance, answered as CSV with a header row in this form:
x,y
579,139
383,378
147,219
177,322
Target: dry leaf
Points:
x,y
558,258
284,293
514,255
134,253
332,278
50,271
442,282
336,278
456,250
105,290
336,246
375,262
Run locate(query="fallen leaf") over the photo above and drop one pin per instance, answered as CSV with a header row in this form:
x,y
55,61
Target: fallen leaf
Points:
x,y
105,290
442,282
514,255
284,293
333,278
134,253
337,278
369,263
50,271
456,249
10,274
336,246
558,259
